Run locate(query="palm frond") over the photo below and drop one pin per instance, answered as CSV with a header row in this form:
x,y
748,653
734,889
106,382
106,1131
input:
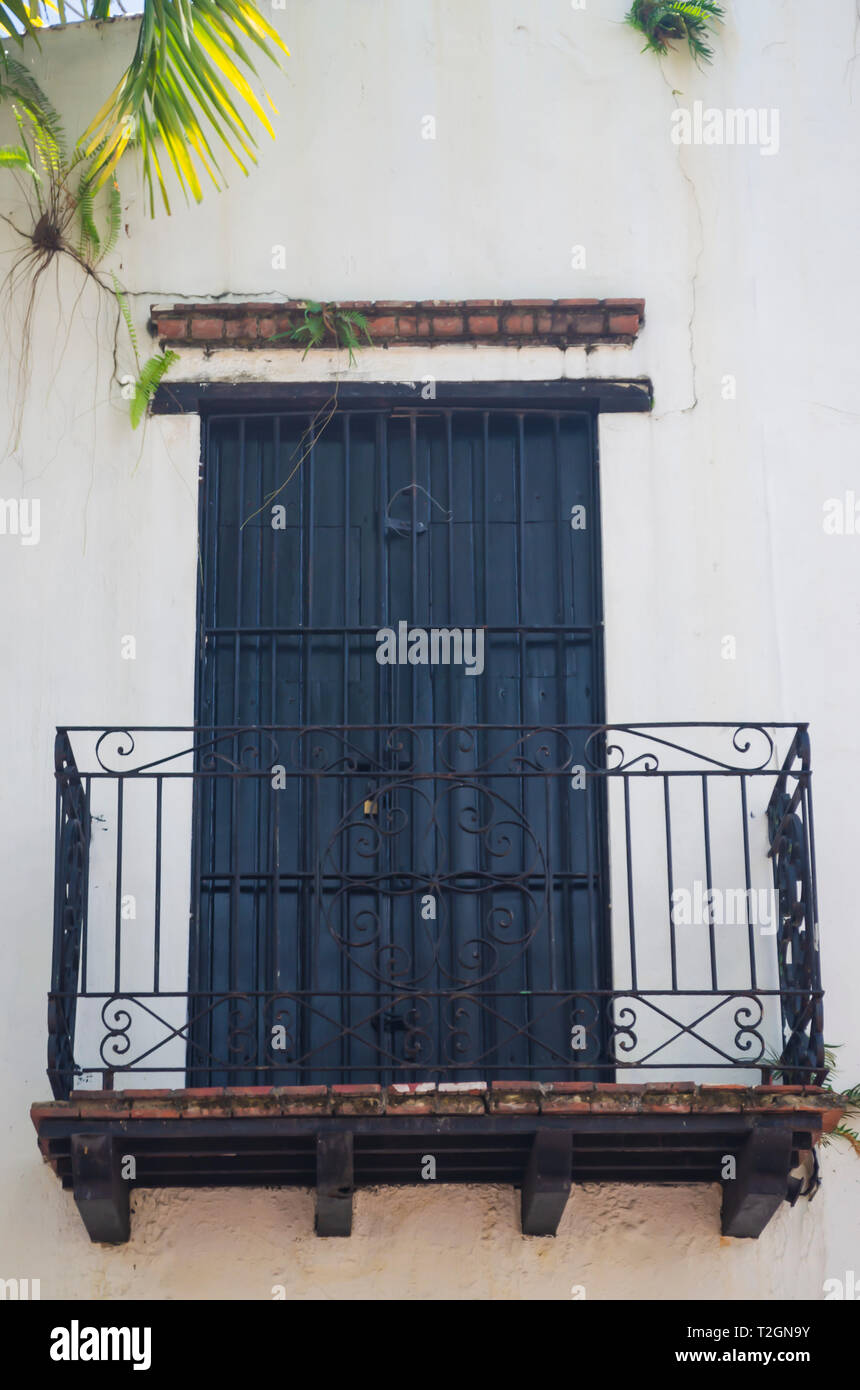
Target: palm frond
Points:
x,y
151,374
18,21
185,86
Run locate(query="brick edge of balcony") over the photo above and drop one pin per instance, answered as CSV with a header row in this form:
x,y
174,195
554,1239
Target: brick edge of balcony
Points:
x,y
394,323
466,1098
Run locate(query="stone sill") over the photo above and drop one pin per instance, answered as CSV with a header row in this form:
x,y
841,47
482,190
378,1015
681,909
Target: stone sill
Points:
x,y
458,1098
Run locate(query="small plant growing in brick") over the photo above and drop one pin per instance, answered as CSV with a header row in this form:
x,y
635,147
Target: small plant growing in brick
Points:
x,y
666,22
321,320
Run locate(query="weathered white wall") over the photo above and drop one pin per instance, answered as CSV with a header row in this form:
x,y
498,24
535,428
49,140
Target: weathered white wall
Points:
x,y
552,131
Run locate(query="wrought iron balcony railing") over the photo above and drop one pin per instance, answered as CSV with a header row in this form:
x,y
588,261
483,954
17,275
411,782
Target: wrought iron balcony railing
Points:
x,y
379,903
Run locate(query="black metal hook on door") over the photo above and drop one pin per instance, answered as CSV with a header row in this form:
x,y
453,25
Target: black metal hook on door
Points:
x,y
401,526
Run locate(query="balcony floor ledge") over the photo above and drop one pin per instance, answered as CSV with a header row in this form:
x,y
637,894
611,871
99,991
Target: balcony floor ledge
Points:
x,y
538,1136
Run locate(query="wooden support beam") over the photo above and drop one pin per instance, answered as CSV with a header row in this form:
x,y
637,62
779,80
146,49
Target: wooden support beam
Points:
x,y
546,1186
761,1185
335,1184
101,1193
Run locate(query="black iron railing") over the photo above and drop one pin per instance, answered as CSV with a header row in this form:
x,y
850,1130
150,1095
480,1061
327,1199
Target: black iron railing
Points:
x,y
284,905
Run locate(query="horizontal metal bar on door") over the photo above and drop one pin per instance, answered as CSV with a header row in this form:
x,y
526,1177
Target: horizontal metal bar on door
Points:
x,y
286,877
311,728
403,994
398,410
246,631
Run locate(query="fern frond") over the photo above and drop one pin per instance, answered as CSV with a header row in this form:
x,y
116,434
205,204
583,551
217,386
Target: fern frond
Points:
x,y
18,85
151,375
89,244
16,157
122,301
114,220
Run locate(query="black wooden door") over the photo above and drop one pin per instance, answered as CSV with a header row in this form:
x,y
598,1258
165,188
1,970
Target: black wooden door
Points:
x,y
395,878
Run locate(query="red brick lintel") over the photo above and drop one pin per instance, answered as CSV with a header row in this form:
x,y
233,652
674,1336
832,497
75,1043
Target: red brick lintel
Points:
x,y
503,322
463,1098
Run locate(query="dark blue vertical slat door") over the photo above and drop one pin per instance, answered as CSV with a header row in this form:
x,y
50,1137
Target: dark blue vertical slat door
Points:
x,y
424,896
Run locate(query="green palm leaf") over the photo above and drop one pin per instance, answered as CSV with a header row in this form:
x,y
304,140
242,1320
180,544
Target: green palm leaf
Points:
x,y
17,21
186,86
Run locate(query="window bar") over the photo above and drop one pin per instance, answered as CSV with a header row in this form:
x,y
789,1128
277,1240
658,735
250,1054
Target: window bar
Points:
x,y
307,934
450,713
489,1029
519,561
560,716
706,819
385,685
260,894
274,804
406,903
213,654
600,797
234,932
347,790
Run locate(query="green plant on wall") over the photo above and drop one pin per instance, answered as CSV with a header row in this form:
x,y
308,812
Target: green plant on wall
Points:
x,y
666,22
183,95
62,219
321,320
847,1098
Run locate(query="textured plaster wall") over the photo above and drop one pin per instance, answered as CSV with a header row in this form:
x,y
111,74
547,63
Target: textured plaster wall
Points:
x,y
552,131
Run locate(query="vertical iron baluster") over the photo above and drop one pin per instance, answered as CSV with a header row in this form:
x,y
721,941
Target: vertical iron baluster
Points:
x,y
712,942
157,931
85,905
120,788
670,880
748,880
631,920
594,944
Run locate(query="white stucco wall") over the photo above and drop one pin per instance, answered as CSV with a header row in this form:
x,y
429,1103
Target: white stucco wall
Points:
x,y
552,131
